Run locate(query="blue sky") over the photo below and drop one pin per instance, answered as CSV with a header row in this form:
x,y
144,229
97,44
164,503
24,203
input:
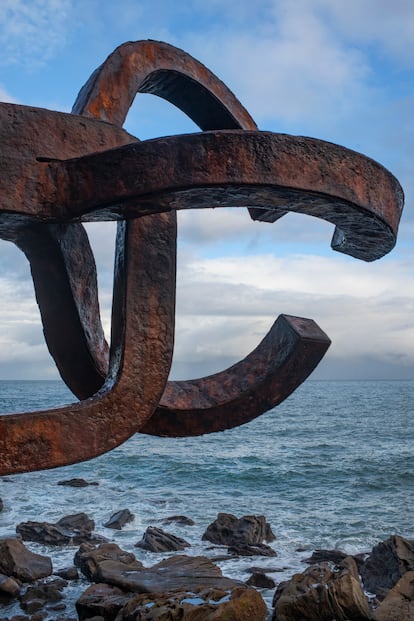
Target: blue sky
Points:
x,y
335,70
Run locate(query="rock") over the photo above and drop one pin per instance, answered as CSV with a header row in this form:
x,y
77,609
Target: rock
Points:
x,y
88,557
69,530
387,563
330,556
261,581
229,530
9,586
258,549
67,573
157,540
398,605
36,597
77,483
177,573
241,604
19,562
178,519
1,504
322,592
119,519
101,600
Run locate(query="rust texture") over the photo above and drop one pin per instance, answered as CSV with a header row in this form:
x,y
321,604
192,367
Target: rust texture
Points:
x,y
60,170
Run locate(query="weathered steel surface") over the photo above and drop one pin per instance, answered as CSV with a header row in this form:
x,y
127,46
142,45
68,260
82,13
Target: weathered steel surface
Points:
x,y
59,168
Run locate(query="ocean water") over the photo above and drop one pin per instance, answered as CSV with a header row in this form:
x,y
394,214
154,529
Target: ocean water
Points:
x,y
331,467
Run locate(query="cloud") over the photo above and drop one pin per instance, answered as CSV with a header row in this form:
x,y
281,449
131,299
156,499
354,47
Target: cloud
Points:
x,y
31,30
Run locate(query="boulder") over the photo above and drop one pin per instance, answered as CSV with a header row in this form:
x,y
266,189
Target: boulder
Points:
x,y
101,600
1,504
330,556
156,540
387,563
88,557
177,573
36,597
229,530
261,581
119,519
398,605
77,483
240,604
69,530
322,592
19,562
257,549
67,573
9,586
178,519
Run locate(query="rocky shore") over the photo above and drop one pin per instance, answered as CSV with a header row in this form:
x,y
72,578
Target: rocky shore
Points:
x,y
375,585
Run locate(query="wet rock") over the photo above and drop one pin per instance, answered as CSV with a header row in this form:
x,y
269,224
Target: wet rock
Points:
x,y
101,600
67,573
119,519
261,581
177,573
398,605
9,586
323,592
245,549
229,530
69,530
178,519
38,596
19,562
241,604
157,540
1,504
387,563
77,483
88,558
330,556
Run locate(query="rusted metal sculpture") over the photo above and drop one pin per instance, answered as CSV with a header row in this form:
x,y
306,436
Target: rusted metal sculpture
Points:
x,y
59,170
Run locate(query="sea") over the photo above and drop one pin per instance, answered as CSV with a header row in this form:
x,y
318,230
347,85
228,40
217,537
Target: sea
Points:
x,y
330,467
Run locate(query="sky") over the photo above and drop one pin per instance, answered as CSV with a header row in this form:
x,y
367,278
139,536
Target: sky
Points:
x,y
337,70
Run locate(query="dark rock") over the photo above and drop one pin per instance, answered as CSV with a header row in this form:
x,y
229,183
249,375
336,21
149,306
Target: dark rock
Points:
x,y
241,604
330,556
177,573
322,592
69,530
88,557
387,563
9,586
230,530
119,519
258,549
157,540
178,519
398,605
19,562
77,483
262,570
38,596
101,600
261,581
68,573
1,504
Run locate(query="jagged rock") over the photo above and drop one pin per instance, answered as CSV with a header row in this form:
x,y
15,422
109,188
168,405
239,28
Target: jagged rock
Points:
x,y
36,597
88,557
69,530
178,519
9,586
261,581
19,562
387,563
398,605
245,549
330,556
156,540
101,600
119,519
323,593
77,483
241,604
229,530
177,573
